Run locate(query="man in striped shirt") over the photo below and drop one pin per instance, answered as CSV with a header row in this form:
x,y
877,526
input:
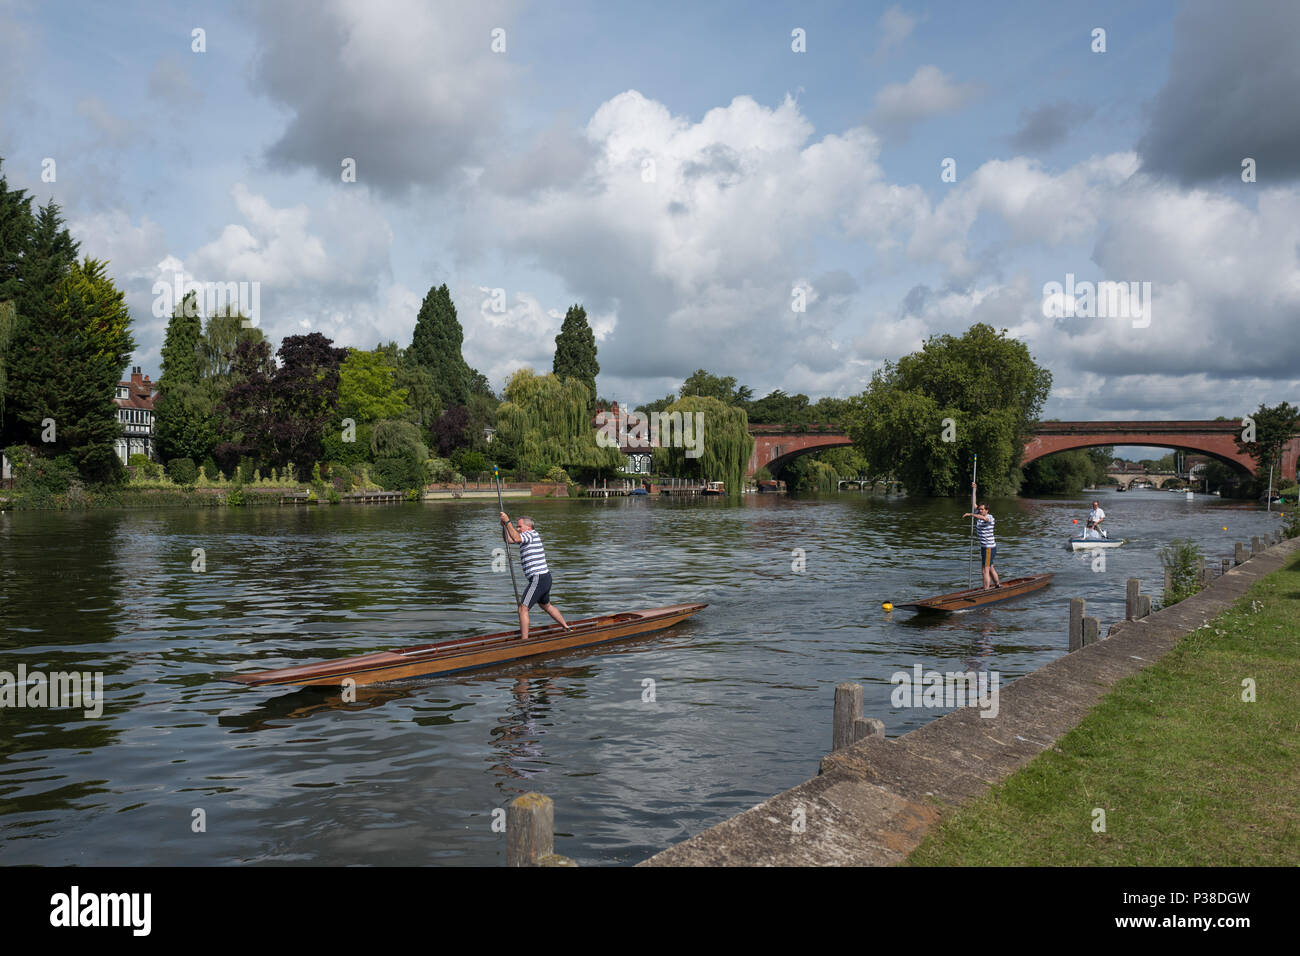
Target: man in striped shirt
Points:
x,y
533,557
988,547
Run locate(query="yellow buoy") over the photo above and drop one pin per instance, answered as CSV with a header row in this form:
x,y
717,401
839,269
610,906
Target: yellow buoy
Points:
x,y
1225,527
887,606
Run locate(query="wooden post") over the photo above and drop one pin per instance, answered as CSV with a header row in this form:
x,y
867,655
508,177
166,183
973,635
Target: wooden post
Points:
x,y
1131,599
1076,623
1256,545
868,727
1207,577
1169,580
1226,564
530,832
1144,605
1239,553
848,711
1091,631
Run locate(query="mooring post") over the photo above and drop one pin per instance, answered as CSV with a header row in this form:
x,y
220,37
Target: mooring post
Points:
x,y
1226,564
1131,599
1169,580
530,832
1144,605
1256,545
1076,623
848,711
1239,553
1091,631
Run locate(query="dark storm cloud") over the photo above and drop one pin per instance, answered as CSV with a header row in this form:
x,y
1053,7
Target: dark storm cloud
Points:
x,y
1231,94
1048,125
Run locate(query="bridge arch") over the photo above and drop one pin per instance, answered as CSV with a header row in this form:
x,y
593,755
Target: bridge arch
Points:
x,y
775,449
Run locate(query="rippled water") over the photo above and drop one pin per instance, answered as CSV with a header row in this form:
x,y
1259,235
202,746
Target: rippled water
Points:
x,y
412,774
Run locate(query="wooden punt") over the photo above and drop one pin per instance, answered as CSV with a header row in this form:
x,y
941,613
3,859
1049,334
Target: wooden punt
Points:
x,y
447,657
978,597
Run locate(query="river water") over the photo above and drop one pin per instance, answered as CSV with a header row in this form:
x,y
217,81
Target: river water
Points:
x,y
183,769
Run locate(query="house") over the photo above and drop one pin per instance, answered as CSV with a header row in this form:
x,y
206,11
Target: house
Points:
x,y
135,400
636,450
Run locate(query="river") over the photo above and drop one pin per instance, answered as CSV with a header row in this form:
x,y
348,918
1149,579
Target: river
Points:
x,y
183,769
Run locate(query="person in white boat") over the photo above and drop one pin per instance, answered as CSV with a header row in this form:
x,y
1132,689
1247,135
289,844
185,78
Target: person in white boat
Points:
x,y
1095,517
1090,532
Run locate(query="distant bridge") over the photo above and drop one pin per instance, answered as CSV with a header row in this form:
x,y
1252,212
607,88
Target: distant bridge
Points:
x,y
775,446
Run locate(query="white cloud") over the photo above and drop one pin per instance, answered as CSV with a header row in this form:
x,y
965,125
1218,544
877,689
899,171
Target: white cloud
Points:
x,y
929,93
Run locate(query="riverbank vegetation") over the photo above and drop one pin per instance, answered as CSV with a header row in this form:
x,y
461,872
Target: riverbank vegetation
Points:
x,y
1185,758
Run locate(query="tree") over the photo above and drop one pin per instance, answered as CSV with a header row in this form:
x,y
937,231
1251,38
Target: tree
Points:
x,y
449,431
305,398
724,390
15,234
436,345
222,333
368,389
725,443
39,254
987,384
778,408
1274,427
1067,472
183,424
246,406
68,366
545,422
575,350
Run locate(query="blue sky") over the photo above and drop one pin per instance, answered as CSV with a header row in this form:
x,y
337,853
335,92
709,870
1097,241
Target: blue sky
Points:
x,y
775,170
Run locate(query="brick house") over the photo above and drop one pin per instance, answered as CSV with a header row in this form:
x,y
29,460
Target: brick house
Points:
x,y
135,399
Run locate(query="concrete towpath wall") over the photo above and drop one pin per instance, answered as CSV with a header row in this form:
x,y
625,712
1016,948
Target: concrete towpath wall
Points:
x,y
872,803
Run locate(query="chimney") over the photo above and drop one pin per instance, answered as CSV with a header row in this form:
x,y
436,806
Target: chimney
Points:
x,y
135,377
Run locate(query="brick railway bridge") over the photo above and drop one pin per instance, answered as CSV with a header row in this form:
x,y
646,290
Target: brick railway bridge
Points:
x,y
775,446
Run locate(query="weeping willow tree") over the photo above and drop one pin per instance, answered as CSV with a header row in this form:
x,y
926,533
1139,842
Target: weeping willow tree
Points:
x,y
546,422
723,441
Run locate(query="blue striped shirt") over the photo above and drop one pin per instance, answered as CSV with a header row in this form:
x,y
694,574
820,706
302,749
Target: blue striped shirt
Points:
x,y
984,529
531,553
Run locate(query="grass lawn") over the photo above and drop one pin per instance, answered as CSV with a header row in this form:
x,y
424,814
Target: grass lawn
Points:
x,y
1186,771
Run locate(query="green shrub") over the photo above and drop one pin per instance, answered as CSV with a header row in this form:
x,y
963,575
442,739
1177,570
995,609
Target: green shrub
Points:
x,y
439,470
1291,523
558,474
144,467
1182,559
341,476
182,471
210,470
332,496
235,498
398,474
470,462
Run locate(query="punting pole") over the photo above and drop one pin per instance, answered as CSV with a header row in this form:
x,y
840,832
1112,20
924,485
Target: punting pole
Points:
x,y
970,547
496,476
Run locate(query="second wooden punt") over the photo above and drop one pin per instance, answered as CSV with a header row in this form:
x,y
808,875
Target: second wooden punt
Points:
x,y
448,657
979,597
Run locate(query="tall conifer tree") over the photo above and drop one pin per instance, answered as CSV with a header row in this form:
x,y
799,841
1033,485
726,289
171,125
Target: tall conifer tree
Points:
x,y
436,345
575,350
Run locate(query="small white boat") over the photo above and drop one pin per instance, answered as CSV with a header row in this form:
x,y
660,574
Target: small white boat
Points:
x,y
1085,544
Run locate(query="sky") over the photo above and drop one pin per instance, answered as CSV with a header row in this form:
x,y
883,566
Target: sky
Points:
x,y
752,188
